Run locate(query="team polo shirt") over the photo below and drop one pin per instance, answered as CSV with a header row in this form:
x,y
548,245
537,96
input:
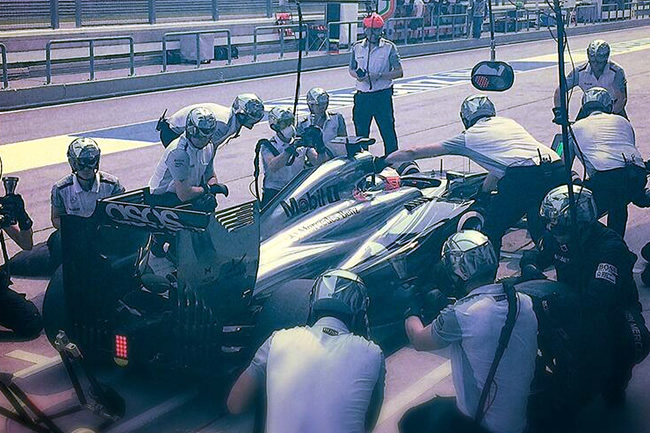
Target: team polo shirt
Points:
x,y
471,327
613,79
605,142
180,162
224,130
277,179
319,379
496,143
334,126
69,198
381,59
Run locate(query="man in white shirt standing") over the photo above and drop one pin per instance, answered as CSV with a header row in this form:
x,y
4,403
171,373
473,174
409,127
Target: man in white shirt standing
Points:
x,y
605,144
520,168
375,63
323,378
329,123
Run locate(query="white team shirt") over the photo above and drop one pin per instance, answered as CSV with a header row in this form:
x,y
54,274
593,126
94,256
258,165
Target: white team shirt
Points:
x,y
224,129
612,79
278,179
319,379
381,59
182,161
496,143
605,142
334,126
69,198
472,327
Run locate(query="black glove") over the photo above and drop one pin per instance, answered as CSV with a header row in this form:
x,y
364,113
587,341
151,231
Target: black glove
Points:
x,y
379,163
15,204
531,272
434,302
410,300
557,116
219,188
291,150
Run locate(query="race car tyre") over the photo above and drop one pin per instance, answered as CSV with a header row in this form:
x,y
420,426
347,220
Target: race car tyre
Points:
x,y
407,167
645,252
645,276
54,307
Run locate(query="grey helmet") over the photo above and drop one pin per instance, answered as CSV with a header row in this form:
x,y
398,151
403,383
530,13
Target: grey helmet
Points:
x,y
248,108
469,254
475,107
555,211
598,50
597,99
318,97
280,118
83,153
201,123
342,294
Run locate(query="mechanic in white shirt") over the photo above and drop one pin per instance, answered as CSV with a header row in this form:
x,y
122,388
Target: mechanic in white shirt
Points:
x,y
323,378
521,168
283,157
375,63
614,166
329,123
599,71
247,110
185,172
471,327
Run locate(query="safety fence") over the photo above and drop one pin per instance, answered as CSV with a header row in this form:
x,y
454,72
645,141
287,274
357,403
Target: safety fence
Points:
x,y
25,14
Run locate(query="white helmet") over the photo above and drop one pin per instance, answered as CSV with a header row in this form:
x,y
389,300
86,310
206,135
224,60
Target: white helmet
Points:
x,y
597,98
248,108
200,124
598,50
468,254
318,97
475,107
83,153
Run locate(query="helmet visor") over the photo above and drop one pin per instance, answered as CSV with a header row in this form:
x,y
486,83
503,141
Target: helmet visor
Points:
x,y
84,162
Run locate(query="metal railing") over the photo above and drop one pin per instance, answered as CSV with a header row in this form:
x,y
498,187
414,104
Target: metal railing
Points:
x,y
349,24
407,29
463,22
166,36
587,14
91,48
282,28
5,78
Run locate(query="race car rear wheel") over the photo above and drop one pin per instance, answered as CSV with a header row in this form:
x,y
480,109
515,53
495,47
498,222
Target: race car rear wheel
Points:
x,y
407,167
471,220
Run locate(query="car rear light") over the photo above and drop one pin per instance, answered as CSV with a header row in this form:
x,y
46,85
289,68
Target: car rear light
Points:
x,y
121,350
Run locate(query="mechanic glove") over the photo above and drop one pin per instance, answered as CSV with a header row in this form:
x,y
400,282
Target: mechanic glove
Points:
x,y
379,163
434,302
409,298
219,188
16,203
531,272
291,150
557,116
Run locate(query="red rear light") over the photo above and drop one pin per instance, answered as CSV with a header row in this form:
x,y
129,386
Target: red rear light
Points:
x,y
121,347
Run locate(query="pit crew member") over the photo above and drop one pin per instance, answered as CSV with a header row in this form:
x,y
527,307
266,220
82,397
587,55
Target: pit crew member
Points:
x,y
472,327
375,63
520,168
322,124
325,377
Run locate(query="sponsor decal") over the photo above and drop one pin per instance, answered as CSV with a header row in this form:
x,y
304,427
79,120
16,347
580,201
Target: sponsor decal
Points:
x,y
330,331
311,201
144,217
607,272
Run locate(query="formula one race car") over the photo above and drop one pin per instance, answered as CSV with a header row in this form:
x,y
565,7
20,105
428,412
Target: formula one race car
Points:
x,y
175,288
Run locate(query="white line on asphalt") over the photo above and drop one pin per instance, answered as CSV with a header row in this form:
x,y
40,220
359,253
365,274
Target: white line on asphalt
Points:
x,y
405,398
40,362
155,412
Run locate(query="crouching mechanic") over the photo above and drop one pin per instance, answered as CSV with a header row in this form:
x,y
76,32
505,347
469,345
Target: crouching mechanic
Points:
x,y
520,168
77,193
326,377
599,265
17,314
283,157
247,110
474,328
607,149
185,172
322,124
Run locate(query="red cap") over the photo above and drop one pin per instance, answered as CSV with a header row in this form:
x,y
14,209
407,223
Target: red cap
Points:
x,y
373,21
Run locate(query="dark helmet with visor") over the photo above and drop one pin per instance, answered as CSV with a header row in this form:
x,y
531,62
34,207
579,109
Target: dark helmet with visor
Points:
x,y
200,125
341,294
476,107
555,209
248,108
468,255
598,51
83,153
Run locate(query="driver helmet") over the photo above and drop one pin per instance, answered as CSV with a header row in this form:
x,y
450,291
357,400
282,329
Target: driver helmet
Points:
x,y
468,255
248,108
555,212
200,125
341,294
83,153
318,97
476,107
598,51
597,99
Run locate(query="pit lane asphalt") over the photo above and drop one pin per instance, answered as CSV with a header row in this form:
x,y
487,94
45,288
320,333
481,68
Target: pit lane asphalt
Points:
x,y
421,118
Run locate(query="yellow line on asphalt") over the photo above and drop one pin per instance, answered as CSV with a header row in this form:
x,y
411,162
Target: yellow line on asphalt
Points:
x,y
580,56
